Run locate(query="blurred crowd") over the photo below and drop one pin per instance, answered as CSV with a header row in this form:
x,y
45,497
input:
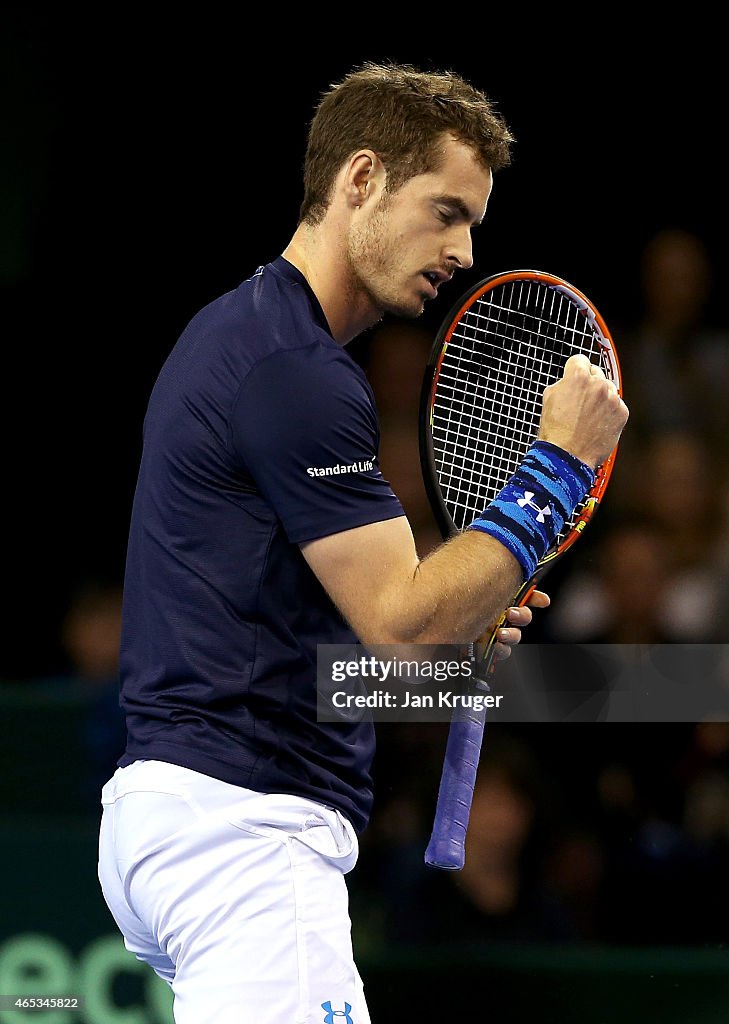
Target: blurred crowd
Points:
x,y
589,832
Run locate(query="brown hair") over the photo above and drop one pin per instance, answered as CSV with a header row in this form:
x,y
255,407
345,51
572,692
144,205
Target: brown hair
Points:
x,y
401,113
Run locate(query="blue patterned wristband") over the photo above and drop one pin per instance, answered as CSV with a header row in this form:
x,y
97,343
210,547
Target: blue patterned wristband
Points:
x,y
528,513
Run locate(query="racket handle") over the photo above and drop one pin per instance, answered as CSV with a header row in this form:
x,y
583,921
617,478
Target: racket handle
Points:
x,y
447,846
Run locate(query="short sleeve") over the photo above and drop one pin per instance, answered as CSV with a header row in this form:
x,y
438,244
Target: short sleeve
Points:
x,y
304,427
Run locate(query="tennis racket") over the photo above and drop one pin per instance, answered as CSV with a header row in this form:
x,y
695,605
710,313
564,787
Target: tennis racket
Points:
x,y
500,346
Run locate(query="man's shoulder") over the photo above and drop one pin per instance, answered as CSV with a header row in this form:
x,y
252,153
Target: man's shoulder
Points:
x,y
271,312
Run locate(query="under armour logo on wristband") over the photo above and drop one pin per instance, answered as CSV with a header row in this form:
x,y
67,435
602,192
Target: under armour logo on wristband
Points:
x,y
560,480
527,501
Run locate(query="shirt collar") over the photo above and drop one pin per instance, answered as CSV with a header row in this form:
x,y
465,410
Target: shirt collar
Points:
x,y
287,270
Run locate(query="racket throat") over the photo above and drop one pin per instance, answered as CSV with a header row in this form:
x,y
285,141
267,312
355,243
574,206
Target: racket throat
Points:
x,y
481,665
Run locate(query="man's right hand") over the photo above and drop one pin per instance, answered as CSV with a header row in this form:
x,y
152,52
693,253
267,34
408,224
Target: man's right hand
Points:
x,y
583,412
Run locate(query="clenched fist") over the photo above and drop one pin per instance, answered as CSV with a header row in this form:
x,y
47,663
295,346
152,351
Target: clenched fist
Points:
x,y
583,412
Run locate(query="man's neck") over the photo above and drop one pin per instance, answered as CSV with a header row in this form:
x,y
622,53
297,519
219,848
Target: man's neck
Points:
x,y
320,255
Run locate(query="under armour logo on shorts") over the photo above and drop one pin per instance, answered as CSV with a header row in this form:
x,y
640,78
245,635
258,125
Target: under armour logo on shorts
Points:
x,y
341,1015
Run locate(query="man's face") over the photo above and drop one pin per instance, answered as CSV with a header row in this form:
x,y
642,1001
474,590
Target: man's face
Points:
x,y
405,247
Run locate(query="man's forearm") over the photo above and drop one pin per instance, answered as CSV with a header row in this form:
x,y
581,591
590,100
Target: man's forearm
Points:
x,y
456,594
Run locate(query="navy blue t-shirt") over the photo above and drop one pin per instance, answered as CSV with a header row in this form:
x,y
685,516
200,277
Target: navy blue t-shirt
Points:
x,y
261,433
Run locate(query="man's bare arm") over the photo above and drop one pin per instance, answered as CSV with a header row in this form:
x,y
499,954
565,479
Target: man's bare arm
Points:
x,y
456,594
388,595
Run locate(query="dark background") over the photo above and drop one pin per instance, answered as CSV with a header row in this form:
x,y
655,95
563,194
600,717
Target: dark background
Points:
x,y
150,163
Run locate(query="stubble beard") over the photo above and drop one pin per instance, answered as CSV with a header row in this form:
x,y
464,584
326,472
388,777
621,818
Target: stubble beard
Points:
x,y
374,268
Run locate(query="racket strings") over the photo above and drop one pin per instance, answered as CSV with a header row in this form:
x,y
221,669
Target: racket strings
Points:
x,y
506,348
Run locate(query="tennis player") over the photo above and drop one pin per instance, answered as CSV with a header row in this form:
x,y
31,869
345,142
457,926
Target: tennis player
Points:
x,y
262,527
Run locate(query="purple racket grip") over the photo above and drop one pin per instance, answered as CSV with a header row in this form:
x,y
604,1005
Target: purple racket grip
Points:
x,y
447,846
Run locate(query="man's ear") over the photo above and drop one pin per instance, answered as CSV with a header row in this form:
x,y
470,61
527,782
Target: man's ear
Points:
x,y
364,177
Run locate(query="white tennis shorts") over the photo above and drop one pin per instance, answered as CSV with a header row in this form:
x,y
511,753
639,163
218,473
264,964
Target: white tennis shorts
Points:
x,y
237,899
